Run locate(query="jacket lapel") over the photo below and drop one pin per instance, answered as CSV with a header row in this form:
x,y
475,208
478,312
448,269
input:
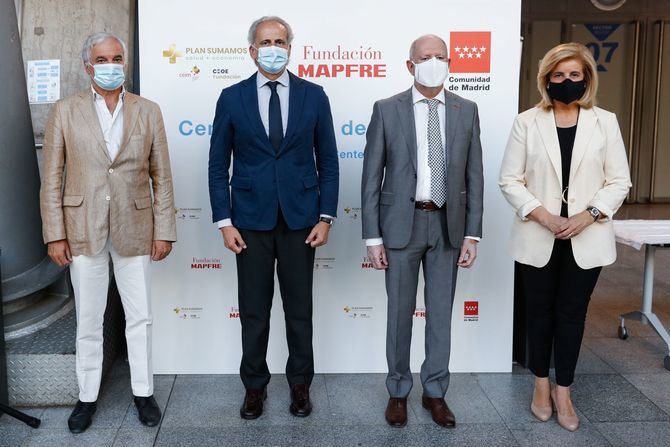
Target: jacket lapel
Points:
x,y
131,111
452,111
586,124
296,97
547,127
86,107
406,115
250,103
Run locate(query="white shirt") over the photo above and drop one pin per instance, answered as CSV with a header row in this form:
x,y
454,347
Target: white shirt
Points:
x,y
111,124
264,93
423,175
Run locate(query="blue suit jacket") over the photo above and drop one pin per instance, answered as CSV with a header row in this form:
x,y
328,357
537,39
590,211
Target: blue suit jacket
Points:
x,y
302,177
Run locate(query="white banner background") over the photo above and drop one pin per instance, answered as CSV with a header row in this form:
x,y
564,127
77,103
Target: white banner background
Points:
x,y
196,325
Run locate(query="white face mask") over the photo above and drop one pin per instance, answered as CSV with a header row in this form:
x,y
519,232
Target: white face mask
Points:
x,y
431,73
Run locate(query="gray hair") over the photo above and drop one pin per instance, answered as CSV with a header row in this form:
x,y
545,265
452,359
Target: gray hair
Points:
x,y
251,37
97,38
412,48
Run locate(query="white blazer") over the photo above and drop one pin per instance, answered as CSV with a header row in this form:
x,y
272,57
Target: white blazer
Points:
x,y
530,176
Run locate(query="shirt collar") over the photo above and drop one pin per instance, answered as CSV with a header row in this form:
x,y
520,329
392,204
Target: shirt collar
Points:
x,y
418,97
97,95
261,80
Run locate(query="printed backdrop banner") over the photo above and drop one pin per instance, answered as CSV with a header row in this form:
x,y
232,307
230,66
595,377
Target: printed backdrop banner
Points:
x,y
357,51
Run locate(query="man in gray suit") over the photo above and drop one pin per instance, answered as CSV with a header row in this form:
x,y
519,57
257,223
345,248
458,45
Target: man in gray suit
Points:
x,y
422,192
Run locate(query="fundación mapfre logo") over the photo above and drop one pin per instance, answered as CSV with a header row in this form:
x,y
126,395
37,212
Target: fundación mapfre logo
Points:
x,y
341,61
471,311
205,263
470,52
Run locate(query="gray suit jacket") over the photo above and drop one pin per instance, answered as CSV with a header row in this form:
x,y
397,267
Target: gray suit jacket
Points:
x,y
389,171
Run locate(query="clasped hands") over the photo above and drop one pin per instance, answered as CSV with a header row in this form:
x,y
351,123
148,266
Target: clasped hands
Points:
x,y
562,227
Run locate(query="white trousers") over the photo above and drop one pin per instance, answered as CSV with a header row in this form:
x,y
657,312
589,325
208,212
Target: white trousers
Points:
x,y
90,280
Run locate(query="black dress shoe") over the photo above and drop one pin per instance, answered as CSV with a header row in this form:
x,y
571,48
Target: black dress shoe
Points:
x,y
81,416
301,406
148,411
253,404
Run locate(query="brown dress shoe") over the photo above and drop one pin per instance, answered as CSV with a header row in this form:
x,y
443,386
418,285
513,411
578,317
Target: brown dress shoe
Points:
x,y
396,412
253,404
301,406
439,410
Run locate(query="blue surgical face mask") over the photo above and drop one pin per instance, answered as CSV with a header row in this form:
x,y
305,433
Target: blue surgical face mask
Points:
x,y
108,76
272,59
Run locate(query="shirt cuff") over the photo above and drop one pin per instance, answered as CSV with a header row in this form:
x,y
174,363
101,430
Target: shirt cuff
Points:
x,y
224,223
374,241
474,238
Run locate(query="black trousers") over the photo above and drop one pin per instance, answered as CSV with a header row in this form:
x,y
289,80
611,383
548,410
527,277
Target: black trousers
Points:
x,y
255,278
557,297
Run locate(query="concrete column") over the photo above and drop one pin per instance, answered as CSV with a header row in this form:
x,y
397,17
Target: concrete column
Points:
x,y
56,29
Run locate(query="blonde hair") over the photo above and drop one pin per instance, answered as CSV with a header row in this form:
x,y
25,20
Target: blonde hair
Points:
x,y
564,52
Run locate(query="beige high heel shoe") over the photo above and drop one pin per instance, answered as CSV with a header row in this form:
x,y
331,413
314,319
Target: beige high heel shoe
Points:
x,y
570,423
541,413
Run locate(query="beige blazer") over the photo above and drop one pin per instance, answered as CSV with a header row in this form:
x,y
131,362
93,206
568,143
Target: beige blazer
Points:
x,y
530,176
86,197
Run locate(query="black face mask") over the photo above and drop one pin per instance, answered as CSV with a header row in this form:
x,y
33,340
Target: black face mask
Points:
x,y
566,91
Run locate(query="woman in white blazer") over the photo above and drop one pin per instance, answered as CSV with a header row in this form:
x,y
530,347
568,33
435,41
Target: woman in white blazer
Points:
x,y
565,173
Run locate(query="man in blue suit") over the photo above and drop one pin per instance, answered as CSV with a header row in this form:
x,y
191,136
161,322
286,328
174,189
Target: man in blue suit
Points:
x,y
277,206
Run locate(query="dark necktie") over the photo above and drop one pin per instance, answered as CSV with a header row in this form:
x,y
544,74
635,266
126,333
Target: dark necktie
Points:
x,y
276,129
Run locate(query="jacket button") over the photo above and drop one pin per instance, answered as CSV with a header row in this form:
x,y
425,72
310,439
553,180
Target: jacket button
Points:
x,y
111,170
411,199
107,198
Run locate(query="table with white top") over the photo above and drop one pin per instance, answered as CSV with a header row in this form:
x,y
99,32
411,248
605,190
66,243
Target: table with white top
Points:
x,y
652,234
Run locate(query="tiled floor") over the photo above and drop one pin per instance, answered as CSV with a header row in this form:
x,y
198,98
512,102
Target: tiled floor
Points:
x,y
622,394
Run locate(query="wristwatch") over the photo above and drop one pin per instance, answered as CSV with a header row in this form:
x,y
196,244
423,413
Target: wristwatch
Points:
x,y
594,212
328,220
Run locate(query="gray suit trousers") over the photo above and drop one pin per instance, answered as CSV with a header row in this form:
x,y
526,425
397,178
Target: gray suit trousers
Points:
x,y
429,247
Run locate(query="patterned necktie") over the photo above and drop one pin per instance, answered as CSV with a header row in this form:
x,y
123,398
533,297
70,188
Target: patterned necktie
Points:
x,y
438,174
275,126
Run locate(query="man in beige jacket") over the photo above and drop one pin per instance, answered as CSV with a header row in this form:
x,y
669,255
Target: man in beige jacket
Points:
x,y
105,152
